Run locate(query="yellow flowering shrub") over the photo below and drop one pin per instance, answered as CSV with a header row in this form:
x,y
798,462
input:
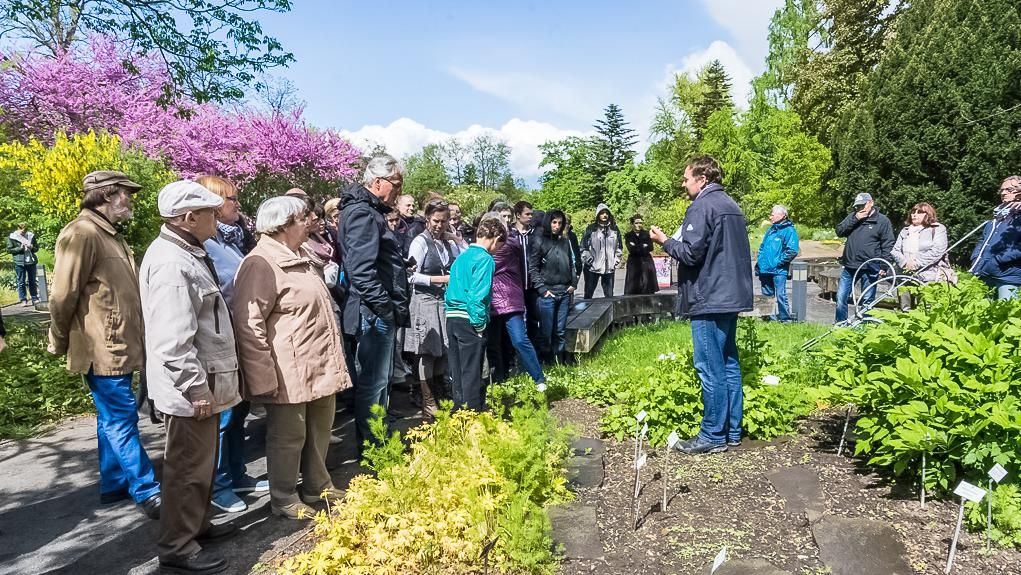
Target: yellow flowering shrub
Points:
x,y
52,175
471,490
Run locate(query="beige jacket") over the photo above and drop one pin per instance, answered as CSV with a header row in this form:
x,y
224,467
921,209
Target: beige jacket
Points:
x,y
287,334
189,338
94,304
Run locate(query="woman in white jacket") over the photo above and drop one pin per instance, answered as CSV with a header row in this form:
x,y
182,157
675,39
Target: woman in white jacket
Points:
x,y
922,245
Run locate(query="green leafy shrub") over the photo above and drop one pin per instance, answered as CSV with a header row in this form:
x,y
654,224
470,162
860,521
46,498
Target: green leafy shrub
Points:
x,y
1006,528
943,378
35,389
470,482
627,378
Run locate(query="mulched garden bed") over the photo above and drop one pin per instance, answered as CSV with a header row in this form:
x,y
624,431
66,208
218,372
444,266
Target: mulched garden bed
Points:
x,y
727,499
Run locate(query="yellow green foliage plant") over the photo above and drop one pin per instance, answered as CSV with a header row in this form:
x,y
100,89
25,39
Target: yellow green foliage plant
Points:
x,y
52,175
470,493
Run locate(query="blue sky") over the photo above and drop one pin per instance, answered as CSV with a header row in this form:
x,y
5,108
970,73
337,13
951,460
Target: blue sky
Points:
x,y
406,73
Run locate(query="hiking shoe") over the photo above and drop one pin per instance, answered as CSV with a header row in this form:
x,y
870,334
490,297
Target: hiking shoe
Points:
x,y
202,562
734,442
227,501
151,507
696,446
249,484
298,511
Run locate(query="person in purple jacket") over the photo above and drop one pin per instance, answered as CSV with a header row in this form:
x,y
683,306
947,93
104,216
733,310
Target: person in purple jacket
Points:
x,y
507,332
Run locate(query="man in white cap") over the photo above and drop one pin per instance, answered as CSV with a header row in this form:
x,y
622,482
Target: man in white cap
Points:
x,y
869,235
192,367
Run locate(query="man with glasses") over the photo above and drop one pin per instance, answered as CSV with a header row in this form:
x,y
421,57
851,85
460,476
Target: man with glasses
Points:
x,y
996,258
377,303
869,235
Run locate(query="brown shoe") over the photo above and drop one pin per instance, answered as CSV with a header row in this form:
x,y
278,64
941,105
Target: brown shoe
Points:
x,y
298,511
332,496
429,406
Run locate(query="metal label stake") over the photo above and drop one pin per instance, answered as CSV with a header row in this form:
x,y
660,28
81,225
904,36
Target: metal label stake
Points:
x,y
996,474
671,441
965,491
843,434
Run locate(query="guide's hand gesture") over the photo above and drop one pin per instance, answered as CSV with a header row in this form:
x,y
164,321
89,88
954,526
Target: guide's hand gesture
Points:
x,y
657,235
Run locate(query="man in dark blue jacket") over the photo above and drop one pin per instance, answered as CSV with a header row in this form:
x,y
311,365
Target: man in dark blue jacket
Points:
x,y
714,284
377,301
996,258
773,264
869,235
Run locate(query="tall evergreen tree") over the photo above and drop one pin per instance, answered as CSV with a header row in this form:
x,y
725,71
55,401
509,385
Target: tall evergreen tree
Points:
x,y
939,117
616,142
715,96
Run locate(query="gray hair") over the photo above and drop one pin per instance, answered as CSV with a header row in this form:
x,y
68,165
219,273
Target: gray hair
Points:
x,y
502,207
277,213
1015,182
780,208
381,166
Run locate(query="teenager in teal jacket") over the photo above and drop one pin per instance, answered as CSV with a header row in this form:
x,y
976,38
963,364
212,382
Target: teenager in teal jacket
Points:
x,y
779,248
467,305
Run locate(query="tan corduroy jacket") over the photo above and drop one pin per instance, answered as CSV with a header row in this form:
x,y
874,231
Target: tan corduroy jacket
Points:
x,y
94,303
287,335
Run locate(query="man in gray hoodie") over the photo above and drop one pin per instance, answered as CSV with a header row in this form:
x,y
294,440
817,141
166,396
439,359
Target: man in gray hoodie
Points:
x,y
601,248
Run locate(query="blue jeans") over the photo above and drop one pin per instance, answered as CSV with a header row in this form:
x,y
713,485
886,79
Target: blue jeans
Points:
x,y
518,333
26,275
776,284
230,463
844,289
510,328
123,462
553,325
714,337
375,351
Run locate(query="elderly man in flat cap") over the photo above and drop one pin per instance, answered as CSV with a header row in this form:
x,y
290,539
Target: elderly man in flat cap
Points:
x,y
96,318
192,368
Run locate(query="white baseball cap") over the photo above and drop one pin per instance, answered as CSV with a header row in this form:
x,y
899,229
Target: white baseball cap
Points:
x,y
185,196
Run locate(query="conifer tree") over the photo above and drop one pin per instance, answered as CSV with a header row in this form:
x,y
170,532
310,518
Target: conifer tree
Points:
x,y
715,96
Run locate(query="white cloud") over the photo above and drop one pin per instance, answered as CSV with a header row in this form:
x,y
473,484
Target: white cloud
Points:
x,y
535,93
405,136
747,21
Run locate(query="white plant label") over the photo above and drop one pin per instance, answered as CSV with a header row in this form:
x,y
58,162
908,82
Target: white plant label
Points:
x,y
641,461
721,558
645,429
770,380
970,492
641,415
672,439
997,473
541,387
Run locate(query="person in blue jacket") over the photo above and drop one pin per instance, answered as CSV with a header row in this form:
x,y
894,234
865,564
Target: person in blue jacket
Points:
x,y
996,258
773,264
714,284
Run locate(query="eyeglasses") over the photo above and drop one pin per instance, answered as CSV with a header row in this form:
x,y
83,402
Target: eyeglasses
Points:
x,y
396,185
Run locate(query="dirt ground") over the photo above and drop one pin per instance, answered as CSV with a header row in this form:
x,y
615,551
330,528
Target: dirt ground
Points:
x,y
728,499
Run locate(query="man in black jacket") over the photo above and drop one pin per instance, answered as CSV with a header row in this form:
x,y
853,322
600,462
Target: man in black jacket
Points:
x,y
377,303
714,285
869,235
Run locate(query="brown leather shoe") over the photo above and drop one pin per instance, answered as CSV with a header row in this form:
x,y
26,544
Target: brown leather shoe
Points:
x,y
298,511
203,562
332,496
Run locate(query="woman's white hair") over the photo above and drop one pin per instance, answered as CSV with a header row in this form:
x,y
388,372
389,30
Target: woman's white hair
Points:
x,y
276,213
779,208
381,166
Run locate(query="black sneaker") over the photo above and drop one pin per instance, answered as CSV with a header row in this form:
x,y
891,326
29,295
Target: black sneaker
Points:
x,y
151,507
734,442
201,562
696,446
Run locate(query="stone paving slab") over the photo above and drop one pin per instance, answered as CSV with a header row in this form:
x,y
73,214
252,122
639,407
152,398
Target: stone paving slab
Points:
x,y
860,547
799,486
575,527
748,567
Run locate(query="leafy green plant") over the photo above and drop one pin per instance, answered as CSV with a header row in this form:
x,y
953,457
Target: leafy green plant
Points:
x,y
35,389
470,491
1006,528
943,379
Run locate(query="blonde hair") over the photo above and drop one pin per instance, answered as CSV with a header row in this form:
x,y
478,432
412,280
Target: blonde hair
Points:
x,y
219,186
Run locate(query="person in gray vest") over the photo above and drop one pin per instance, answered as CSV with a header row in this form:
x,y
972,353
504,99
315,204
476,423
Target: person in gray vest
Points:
x,y
427,336
601,249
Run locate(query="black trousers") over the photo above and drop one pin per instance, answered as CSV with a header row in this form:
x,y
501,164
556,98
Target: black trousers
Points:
x,y
464,362
606,280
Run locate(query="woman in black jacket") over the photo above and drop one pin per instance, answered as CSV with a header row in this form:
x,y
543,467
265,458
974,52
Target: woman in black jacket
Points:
x,y
553,269
641,271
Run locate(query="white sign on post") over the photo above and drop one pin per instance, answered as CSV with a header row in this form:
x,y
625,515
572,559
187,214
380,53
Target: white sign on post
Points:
x,y
970,492
641,415
770,380
997,473
672,439
721,558
641,461
645,429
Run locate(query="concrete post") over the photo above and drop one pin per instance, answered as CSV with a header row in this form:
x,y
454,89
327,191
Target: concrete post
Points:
x,y
799,290
40,276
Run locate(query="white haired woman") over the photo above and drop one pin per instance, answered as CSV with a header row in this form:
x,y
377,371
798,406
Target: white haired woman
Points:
x,y
291,355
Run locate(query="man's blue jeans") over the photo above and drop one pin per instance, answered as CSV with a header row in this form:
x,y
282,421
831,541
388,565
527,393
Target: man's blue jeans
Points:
x,y
123,462
25,276
375,361
844,289
714,337
776,284
553,325
230,463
